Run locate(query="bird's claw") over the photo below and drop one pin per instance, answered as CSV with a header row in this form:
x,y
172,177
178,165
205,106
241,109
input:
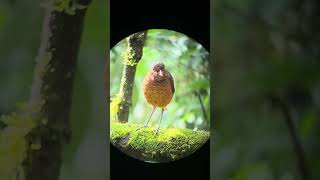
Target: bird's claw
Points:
x,y
145,126
157,131
139,128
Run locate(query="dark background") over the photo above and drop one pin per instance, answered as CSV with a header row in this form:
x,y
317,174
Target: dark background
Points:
x,y
187,17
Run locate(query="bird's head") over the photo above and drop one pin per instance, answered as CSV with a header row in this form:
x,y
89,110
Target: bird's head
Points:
x,y
158,71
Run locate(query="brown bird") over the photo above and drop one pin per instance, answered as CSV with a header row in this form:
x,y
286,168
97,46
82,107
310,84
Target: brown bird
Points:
x,y
158,89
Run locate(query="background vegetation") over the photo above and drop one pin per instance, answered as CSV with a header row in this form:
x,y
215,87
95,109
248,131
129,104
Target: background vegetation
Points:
x,y
188,63
265,49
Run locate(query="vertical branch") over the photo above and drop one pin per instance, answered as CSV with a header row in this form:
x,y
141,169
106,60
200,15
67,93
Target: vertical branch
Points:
x,y
132,58
51,93
202,106
302,165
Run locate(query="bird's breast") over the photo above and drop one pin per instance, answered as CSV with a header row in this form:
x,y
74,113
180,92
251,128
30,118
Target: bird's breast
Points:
x,y
158,94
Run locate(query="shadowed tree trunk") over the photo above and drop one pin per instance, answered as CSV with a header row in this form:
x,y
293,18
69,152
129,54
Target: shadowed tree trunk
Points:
x,y
132,58
51,92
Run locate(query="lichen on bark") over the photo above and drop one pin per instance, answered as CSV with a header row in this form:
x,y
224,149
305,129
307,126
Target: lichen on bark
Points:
x,y
168,145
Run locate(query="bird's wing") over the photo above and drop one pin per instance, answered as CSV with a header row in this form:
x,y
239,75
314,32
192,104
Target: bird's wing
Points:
x,y
171,82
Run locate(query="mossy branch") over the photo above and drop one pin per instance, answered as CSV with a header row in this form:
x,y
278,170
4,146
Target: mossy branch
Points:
x,y
52,92
168,145
132,57
33,136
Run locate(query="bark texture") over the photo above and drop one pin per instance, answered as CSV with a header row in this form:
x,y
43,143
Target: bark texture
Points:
x,y
51,93
132,58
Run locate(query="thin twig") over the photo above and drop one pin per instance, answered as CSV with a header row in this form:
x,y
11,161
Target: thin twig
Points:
x,y
298,149
202,106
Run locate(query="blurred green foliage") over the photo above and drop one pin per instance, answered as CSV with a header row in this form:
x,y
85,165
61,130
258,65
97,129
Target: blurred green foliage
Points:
x,y
188,63
261,48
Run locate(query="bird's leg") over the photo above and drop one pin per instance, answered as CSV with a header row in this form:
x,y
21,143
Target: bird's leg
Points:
x,y
146,125
158,128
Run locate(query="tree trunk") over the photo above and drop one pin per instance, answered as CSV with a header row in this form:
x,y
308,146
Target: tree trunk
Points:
x,y
51,93
132,58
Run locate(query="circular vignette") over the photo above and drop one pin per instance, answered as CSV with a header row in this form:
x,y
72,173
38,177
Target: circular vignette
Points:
x,y
159,95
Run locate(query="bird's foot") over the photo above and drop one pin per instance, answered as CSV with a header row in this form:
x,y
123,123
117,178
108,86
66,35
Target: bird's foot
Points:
x,y
157,131
141,127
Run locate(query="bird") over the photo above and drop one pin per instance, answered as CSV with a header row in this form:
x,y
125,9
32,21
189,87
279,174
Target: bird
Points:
x,y
158,89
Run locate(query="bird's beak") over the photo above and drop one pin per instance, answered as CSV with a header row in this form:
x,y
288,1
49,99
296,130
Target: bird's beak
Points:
x,y
160,73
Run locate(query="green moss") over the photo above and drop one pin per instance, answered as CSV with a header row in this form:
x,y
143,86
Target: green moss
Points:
x,y
66,6
114,105
168,145
13,144
129,55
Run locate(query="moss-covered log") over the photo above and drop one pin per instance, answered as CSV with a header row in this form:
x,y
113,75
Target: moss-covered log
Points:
x,y
168,145
131,59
